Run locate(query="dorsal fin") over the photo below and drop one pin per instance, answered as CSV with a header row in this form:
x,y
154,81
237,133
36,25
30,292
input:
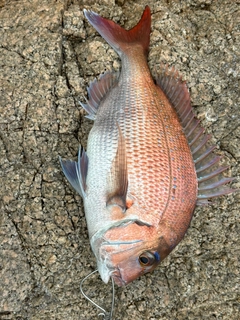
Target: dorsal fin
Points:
x,y
76,172
97,90
210,180
118,179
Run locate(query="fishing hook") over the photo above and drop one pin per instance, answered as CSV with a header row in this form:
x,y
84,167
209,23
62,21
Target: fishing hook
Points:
x,y
104,313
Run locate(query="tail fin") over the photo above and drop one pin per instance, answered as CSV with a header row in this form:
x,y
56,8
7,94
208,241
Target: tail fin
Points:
x,y
117,37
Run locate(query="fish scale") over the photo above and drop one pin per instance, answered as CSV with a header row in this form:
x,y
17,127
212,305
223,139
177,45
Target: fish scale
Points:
x,y
148,162
146,117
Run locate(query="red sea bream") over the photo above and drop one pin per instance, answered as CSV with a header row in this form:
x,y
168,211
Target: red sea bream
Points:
x,y
147,164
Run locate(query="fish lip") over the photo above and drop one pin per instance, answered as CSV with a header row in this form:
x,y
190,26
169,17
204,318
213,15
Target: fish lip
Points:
x,y
119,281
104,271
105,268
117,277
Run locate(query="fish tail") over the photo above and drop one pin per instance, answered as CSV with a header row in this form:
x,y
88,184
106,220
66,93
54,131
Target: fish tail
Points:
x,y
119,38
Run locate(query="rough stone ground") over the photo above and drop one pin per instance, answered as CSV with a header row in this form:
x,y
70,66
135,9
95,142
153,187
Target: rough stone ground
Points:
x,y
49,53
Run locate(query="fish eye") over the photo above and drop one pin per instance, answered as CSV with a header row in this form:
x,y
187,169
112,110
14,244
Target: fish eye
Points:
x,y
147,259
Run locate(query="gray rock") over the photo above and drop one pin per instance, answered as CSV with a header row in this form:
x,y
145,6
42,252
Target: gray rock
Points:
x,y
48,56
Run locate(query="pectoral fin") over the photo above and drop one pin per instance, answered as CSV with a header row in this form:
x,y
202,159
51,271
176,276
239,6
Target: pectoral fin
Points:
x,y
118,179
76,172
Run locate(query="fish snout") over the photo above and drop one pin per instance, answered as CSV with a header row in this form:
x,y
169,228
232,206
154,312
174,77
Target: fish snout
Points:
x,y
106,272
117,278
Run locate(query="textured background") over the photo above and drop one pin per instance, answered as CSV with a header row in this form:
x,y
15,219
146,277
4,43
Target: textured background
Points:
x,y
49,53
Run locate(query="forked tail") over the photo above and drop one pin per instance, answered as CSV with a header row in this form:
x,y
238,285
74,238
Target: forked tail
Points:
x,y
119,38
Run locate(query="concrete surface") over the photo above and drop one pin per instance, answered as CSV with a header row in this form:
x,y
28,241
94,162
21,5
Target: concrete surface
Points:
x,y
49,53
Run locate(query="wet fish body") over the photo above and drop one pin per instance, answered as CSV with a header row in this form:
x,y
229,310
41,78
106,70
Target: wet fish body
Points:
x,y
148,162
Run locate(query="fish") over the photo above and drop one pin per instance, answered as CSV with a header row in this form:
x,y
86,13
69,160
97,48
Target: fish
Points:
x,y
148,162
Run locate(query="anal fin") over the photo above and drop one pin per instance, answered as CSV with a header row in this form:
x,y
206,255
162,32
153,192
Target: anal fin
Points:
x,y
76,172
118,179
97,90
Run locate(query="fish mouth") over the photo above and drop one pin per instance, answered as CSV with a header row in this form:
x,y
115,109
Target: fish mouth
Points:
x,y
117,278
105,268
106,272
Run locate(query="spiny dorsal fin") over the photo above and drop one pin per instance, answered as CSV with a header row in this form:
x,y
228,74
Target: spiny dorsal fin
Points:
x,y
210,180
97,90
118,179
76,172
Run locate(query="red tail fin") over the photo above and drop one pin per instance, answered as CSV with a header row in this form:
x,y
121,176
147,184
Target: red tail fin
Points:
x,y
119,38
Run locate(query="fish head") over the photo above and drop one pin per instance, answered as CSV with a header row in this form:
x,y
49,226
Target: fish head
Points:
x,y
129,250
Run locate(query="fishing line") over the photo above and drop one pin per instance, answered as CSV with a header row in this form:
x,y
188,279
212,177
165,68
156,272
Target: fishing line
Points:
x,y
104,313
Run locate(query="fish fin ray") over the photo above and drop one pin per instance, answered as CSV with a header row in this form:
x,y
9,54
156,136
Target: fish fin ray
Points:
x,y
76,172
118,179
216,184
216,193
97,91
211,182
213,161
119,38
203,202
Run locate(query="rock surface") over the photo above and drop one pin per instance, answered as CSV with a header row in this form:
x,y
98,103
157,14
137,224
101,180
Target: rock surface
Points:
x,y
49,53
